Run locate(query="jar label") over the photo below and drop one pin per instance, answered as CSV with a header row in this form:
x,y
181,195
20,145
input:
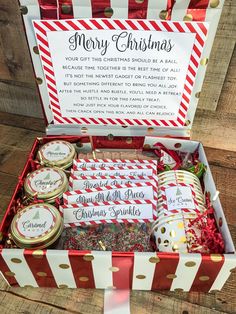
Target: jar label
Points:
x,y
45,180
35,222
55,151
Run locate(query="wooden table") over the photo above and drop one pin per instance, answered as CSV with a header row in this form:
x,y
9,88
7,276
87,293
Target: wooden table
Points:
x,y
16,137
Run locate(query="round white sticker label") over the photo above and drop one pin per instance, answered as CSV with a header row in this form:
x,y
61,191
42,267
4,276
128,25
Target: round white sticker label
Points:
x,y
35,221
56,151
46,181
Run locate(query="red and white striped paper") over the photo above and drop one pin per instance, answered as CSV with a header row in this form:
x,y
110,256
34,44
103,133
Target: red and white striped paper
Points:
x,y
138,191
93,269
83,182
147,170
97,163
143,211
164,198
42,28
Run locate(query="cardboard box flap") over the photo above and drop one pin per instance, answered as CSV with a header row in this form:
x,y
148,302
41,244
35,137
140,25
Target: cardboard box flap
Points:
x,y
135,73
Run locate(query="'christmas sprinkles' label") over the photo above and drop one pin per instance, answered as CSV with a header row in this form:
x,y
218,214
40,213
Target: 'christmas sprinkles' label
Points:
x,y
36,221
111,212
134,191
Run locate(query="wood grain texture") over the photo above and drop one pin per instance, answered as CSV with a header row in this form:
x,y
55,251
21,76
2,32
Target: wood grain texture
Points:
x,y
15,142
220,57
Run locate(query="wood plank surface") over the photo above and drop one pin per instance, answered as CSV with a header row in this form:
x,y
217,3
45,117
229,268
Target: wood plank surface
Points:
x,y
220,58
15,142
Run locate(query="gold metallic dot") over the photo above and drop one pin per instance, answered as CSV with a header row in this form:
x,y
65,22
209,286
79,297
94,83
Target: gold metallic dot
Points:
x,y
172,233
139,1
159,240
216,257
84,129
220,222
36,50
204,61
204,278
188,17
180,225
163,15
23,10
175,248
154,259
140,276
108,12
66,9
110,137
163,230
39,80
62,286
177,145
166,243
88,257
178,290
37,254
114,269
28,286
150,130
9,274
42,274
187,122
214,3
146,146
83,278
198,94
190,264
16,260
129,140
183,239
171,276
64,266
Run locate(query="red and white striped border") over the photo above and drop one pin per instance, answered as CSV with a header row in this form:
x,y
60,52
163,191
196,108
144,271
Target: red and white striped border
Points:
x,y
95,222
73,178
176,211
133,167
134,162
114,187
43,27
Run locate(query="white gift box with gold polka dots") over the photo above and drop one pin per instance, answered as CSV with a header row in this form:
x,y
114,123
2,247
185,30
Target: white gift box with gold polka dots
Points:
x,y
125,270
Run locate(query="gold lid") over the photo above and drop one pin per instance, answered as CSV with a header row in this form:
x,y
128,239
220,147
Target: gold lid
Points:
x,y
46,183
36,226
57,153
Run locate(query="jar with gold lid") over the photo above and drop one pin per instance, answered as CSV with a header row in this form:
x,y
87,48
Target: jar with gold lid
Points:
x,y
46,184
57,154
36,226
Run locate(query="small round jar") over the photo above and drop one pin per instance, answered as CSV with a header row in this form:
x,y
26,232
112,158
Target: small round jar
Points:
x,y
36,226
57,154
46,184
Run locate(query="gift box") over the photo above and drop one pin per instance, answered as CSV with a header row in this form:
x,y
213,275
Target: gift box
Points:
x,y
47,24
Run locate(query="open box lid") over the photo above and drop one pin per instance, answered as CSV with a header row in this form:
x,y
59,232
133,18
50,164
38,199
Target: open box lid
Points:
x,y
153,83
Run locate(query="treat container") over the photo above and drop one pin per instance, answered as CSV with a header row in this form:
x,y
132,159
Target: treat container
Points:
x,y
105,269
